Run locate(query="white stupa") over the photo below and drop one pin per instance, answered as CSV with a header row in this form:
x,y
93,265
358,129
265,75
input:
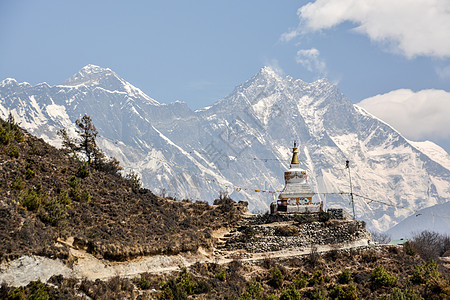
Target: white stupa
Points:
x,y
296,197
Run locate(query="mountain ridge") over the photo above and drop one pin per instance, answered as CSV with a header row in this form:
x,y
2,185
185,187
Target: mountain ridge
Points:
x,y
176,149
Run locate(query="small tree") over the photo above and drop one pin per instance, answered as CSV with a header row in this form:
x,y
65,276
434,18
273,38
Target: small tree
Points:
x,y
88,134
86,144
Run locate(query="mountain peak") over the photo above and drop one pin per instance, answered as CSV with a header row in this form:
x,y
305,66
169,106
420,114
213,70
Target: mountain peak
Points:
x,y
94,69
267,71
90,75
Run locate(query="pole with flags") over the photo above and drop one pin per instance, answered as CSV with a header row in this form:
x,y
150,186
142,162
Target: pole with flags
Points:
x,y
347,165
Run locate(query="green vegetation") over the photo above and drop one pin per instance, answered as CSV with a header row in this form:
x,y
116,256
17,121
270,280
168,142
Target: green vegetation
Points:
x,y
290,293
30,199
85,146
345,277
221,274
317,278
134,180
253,291
275,278
17,183
379,277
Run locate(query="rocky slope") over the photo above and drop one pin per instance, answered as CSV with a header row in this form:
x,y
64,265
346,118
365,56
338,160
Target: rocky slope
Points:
x,y
241,143
48,196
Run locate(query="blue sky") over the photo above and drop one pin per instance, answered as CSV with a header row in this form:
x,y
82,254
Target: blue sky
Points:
x,y
198,51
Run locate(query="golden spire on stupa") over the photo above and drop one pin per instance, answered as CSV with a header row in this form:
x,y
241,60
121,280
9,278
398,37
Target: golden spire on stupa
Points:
x,y
295,154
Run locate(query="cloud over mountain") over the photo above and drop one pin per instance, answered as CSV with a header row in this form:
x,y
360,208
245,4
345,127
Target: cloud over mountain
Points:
x,y
412,28
417,115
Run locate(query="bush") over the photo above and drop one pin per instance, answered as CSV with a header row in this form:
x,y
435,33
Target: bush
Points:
x,y
38,291
30,200
431,245
409,249
202,287
53,212
290,294
426,273
172,291
379,277
63,197
345,277
84,171
142,283
275,278
221,275
86,196
300,281
318,294
398,294
317,278
253,291
185,281
74,192
134,180
12,151
17,183
381,238
5,136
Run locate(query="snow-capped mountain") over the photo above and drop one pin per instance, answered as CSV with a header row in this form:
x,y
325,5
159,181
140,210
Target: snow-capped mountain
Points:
x,y
242,143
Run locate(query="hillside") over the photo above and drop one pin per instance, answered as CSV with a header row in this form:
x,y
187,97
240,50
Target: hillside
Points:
x,y
72,232
47,195
240,144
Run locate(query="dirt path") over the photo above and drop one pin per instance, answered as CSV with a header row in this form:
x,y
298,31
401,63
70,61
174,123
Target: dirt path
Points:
x,y
29,268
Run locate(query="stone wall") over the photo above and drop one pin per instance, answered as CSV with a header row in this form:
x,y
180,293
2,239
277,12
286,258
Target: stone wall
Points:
x,y
288,234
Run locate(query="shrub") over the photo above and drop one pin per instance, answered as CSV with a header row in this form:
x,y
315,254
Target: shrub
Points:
x,y
426,273
83,171
63,197
142,283
318,294
317,278
38,291
409,249
171,291
5,136
19,136
300,281
53,212
86,196
17,183
253,291
221,274
74,192
30,200
345,277
275,278
379,277
202,287
337,292
431,245
313,256
381,238
398,294
134,180
12,151
185,281
290,294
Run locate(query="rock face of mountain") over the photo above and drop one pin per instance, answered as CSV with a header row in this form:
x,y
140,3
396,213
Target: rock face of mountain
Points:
x,y
242,142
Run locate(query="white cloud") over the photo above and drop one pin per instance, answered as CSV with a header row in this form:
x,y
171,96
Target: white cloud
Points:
x,y
417,115
410,27
310,59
